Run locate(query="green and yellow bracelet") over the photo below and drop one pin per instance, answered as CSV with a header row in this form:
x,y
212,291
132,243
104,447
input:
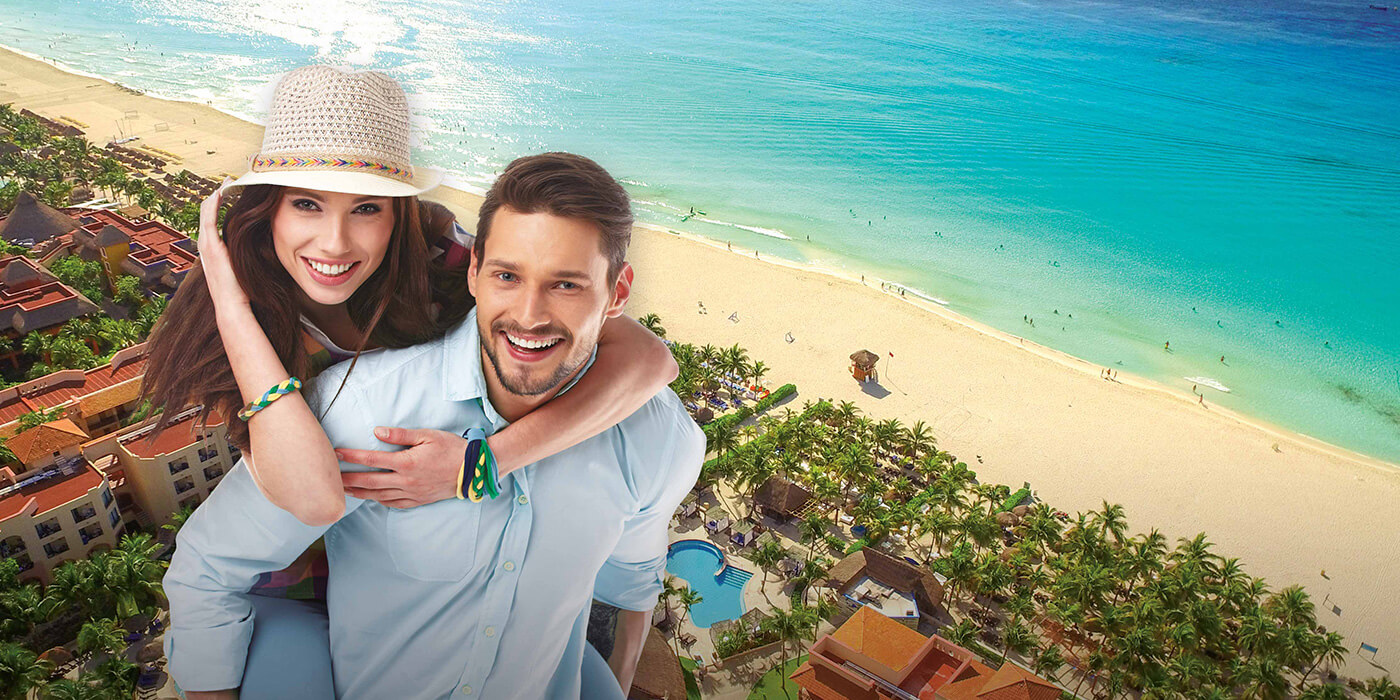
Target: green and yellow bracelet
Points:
x,y
267,398
478,473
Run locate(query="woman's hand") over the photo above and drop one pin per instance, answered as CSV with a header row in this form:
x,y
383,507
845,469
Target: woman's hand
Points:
x,y
424,473
213,254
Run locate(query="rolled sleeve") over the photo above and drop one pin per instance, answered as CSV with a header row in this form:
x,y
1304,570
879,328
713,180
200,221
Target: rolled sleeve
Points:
x,y
632,576
226,545
229,541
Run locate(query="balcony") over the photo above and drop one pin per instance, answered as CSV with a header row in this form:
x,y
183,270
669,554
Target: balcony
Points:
x,y
91,532
177,467
184,485
47,528
12,547
212,473
56,547
82,513
25,563
208,453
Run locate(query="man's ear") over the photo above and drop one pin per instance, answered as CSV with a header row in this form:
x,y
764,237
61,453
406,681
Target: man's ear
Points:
x,y
471,272
622,290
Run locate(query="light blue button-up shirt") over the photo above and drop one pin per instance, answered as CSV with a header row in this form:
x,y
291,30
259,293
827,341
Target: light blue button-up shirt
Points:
x,y
486,599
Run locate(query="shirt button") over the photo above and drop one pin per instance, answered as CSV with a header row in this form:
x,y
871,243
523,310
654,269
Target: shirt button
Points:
x,y
508,566
490,631
466,690
522,500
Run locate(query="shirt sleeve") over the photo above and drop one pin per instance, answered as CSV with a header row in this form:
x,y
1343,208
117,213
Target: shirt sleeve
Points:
x,y
631,578
227,543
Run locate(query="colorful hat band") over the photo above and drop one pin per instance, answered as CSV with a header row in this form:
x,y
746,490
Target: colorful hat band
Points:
x,y
282,163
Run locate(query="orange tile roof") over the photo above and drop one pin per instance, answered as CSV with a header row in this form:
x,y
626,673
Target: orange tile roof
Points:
x,y
51,494
43,440
176,436
968,684
824,684
1011,682
880,638
151,241
110,397
92,381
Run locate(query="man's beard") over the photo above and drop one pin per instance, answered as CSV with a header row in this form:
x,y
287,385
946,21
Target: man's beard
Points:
x,y
522,386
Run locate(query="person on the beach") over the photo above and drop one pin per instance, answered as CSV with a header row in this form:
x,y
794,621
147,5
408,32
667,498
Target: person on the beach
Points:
x,y
315,259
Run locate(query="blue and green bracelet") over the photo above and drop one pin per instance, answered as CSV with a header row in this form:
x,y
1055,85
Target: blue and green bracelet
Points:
x,y
276,392
478,473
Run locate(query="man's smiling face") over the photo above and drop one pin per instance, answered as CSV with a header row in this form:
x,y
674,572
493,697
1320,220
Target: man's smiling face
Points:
x,y
542,293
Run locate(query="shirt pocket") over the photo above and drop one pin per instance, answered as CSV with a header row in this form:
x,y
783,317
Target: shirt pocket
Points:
x,y
435,542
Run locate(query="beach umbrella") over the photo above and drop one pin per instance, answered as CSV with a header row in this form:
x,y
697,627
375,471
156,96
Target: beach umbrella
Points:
x,y
151,652
1020,511
704,415
1007,519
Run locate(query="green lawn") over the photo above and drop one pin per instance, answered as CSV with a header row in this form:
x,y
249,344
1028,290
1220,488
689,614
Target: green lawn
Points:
x,y
770,687
692,689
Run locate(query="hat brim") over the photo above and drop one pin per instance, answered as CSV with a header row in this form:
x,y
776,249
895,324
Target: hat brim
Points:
x,y
424,179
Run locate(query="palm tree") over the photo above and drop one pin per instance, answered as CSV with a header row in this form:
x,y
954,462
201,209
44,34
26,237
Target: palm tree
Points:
x,y
790,627
652,322
20,671
769,556
1112,520
688,599
1382,688
179,517
69,689
812,529
100,637
1048,662
962,634
757,371
134,575
1325,691
1329,647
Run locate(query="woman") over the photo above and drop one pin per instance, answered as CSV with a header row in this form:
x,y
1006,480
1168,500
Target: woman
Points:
x,y
325,254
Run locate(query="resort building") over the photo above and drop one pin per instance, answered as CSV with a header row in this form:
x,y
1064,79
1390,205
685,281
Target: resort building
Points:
x,y
892,587
157,254
154,476
872,657
57,507
32,222
31,299
97,400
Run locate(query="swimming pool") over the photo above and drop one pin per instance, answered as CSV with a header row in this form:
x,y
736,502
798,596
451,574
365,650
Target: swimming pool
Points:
x,y
697,562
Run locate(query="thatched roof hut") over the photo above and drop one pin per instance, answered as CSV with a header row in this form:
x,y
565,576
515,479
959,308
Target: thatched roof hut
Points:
x,y
864,359
895,573
32,220
781,498
658,675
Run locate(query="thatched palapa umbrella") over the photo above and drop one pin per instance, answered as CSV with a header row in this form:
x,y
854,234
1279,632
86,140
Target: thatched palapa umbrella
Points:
x,y
863,364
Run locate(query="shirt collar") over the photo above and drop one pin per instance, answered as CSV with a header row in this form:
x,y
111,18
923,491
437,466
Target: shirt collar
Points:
x,y
464,375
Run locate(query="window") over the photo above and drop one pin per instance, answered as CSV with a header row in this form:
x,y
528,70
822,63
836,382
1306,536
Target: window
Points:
x,y
190,502
234,453
48,527
208,453
25,563
56,547
91,532
184,485
212,473
106,497
114,517
83,512
12,546
178,466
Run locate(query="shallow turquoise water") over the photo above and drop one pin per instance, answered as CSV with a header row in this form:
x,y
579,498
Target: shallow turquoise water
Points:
x,y
722,596
1221,177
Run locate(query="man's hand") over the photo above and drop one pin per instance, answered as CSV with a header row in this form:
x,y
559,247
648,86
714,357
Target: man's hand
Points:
x,y
424,473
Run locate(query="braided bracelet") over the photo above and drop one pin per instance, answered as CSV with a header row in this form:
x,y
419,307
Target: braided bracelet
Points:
x,y
276,392
478,472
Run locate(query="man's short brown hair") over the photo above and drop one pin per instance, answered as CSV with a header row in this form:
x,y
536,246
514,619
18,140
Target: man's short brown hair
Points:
x,y
565,185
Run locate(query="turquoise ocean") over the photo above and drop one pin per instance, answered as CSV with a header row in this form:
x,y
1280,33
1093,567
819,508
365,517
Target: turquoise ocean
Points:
x,y
1223,175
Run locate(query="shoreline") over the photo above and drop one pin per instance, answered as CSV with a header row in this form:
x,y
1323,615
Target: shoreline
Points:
x,y
454,183
1005,405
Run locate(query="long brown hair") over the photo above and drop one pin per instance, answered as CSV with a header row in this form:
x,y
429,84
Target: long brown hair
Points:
x,y
394,306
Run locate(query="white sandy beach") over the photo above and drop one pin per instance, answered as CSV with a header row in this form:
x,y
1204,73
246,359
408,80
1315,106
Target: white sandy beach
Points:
x,y
1288,506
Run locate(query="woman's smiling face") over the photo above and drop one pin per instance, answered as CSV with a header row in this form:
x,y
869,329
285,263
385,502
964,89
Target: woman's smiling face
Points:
x,y
330,242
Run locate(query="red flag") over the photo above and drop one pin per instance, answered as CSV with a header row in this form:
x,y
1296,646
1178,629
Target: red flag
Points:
x,y
891,354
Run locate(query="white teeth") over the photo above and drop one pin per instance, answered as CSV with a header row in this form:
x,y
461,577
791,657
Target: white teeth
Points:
x,y
330,270
531,344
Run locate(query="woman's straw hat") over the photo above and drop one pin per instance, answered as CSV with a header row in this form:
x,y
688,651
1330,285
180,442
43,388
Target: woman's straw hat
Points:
x,y
339,131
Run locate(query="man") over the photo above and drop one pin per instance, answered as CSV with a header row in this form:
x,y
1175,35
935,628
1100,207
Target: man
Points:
x,y
462,599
